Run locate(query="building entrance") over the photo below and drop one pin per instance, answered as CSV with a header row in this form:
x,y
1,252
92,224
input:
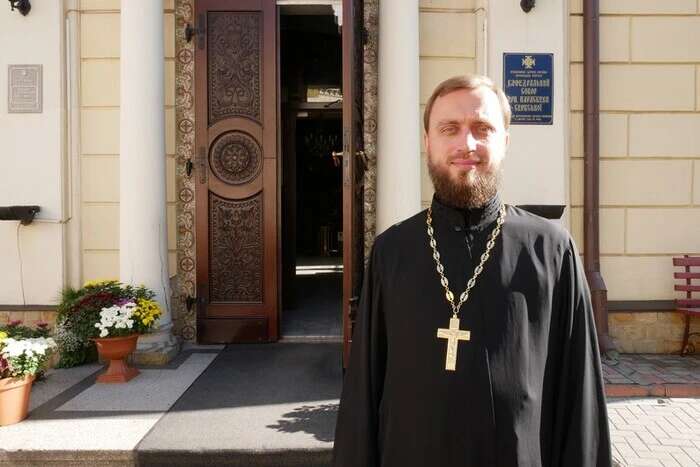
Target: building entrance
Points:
x,y
278,169
312,197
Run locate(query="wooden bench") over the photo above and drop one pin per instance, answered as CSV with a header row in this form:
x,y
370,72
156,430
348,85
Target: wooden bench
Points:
x,y
688,283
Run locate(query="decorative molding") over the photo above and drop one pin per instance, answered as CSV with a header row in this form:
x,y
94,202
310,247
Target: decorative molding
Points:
x,y
370,52
184,320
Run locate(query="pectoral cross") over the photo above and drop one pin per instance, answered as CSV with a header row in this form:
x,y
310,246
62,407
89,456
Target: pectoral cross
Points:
x,y
453,336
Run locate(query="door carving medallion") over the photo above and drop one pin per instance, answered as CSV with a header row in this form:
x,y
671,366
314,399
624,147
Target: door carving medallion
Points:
x,y
236,158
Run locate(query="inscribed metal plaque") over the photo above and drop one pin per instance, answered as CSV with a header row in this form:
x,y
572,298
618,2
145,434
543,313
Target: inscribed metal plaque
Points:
x,y
24,93
527,81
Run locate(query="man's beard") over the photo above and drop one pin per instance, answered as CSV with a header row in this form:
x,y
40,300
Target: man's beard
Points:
x,y
460,194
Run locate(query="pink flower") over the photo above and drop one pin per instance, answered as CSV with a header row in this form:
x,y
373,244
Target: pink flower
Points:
x,y
42,325
15,322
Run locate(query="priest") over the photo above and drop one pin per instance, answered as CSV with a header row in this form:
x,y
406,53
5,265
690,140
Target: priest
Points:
x,y
475,343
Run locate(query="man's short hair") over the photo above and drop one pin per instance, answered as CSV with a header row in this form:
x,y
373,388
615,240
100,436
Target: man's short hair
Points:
x,y
468,81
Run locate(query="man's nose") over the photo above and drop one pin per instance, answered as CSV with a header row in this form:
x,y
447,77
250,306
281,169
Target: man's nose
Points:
x,y
470,141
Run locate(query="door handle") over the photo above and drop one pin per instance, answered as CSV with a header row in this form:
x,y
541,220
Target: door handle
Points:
x,y
363,160
202,165
191,31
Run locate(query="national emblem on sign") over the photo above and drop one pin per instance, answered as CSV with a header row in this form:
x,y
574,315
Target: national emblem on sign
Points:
x,y
528,62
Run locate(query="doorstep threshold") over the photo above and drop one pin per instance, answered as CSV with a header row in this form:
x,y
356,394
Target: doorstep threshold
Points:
x,y
311,339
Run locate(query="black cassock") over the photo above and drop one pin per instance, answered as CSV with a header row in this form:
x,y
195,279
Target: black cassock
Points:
x,y
528,387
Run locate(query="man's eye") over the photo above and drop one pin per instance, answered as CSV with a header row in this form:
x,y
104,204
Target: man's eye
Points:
x,y
483,129
449,130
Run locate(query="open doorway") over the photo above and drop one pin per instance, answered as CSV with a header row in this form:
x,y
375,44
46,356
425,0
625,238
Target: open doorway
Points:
x,y
311,173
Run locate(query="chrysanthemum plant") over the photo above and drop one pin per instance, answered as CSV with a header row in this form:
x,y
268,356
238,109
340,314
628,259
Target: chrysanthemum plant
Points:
x,y
101,309
24,351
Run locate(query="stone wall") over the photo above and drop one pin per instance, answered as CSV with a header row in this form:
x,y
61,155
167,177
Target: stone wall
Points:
x,y
650,157
29,318
651,332
650,143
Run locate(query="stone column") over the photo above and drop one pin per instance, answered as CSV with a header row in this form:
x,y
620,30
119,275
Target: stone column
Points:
x,y
398,126
143,242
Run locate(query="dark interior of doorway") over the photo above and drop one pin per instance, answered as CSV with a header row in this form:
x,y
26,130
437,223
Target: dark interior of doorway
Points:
x,y
311,79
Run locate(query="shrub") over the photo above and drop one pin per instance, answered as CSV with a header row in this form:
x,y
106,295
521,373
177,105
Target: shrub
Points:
x,y
101,309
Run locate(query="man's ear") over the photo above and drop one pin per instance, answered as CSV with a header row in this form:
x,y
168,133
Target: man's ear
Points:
x,y
507,140
426,141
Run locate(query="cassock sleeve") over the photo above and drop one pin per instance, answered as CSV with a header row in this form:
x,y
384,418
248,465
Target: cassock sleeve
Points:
x,y
581,435
358,416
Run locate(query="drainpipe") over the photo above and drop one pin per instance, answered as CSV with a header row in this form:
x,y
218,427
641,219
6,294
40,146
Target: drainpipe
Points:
x,y
72,235
591,193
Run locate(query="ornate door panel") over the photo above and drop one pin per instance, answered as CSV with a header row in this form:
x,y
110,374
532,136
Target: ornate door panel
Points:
x,y
236,170
353,167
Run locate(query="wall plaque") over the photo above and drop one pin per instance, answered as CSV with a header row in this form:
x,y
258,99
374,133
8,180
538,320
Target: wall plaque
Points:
x,y
527,81
24,89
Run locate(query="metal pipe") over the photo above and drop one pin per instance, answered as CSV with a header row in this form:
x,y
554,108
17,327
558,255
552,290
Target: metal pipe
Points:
x,y
591,149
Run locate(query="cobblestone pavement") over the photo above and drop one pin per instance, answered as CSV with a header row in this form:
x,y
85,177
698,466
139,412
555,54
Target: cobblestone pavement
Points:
x,y
655,431
646,369
645,375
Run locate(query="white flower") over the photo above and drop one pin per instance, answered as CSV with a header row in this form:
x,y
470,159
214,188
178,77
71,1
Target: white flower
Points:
x,y
118,317
26,356
30,348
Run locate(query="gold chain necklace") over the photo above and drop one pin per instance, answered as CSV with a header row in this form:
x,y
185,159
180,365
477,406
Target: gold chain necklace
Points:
x,y
453,334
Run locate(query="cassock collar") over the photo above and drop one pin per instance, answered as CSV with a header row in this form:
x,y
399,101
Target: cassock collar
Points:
x,y
469,218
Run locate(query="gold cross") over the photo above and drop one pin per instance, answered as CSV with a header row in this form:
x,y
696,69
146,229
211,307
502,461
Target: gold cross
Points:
x,y
453,336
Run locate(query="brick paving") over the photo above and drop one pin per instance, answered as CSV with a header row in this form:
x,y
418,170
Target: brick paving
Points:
x,y
652,375
655,431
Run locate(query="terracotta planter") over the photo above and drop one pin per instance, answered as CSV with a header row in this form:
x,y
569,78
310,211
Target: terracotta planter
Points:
x,y
116,350
14,399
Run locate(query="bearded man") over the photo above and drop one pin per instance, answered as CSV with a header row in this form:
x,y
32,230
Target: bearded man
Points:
x,y
475,343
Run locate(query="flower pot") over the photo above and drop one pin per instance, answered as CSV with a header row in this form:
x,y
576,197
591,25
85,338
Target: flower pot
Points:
x,y
116,350
14,399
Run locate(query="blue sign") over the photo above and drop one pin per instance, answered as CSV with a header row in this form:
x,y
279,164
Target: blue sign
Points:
x,y
527,81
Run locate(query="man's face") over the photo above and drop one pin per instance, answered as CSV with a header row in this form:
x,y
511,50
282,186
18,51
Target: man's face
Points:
x,y
466,142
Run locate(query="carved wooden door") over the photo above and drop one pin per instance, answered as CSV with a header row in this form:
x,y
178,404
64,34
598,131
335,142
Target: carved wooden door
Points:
x,y
236,170
353,167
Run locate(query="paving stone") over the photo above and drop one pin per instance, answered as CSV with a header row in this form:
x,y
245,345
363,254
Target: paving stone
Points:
x,y
644,462
677,442
665,433
668,449
648,439
684,459
661,456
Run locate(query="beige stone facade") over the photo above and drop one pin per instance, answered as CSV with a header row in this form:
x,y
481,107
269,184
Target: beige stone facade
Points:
x,y
650,157
650,142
